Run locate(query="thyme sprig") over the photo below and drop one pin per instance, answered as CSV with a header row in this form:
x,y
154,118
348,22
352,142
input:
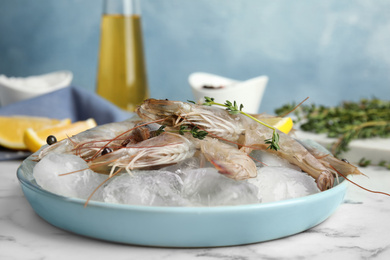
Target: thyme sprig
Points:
x,y
194,131
366,118
273,142
234,109
161,130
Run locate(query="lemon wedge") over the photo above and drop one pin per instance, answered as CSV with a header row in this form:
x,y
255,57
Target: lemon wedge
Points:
x,y
34,139
12,129
284,124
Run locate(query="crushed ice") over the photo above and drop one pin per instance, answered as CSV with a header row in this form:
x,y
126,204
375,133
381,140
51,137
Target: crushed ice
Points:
x,y
183,184
79,184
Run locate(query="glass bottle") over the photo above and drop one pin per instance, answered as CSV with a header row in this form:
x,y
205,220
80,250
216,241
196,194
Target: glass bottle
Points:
x,y
122,75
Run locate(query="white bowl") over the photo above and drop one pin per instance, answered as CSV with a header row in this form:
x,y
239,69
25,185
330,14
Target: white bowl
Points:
x,y
14,89
249,92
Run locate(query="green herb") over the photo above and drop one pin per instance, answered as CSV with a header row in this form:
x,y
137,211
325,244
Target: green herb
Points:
x,y
385,164
195,131
160,130
234,109
382,163
273,142
364,162
367,118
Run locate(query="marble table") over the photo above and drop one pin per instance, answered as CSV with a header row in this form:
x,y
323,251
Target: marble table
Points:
x,y
359,229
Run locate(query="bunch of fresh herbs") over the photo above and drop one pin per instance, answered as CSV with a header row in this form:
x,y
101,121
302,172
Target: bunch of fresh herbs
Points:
x,y
366,118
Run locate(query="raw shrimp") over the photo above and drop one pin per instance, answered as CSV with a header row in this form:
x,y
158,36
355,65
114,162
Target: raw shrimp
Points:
x,y
228,160
214,120
113,136
162,150
89,138
292,151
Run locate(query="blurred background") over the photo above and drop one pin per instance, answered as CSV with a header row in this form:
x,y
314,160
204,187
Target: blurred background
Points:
x,y
329,51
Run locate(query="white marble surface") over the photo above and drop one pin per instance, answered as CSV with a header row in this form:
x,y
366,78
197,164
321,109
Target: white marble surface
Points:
x,y
359,229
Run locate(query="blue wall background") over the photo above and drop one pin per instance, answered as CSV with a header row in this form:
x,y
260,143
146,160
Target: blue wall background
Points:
x,y
328,50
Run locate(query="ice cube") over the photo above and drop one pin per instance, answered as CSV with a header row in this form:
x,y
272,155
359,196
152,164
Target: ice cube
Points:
x,y
280,183
80,183
263,158
178,168
150,188
206,187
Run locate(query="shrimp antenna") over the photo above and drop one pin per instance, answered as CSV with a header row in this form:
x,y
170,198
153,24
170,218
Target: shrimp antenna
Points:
x,y
67,173
98,187
256,160
289,112
354,183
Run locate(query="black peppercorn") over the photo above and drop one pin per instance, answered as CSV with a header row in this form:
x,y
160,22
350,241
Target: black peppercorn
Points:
x,y
106,150
51,139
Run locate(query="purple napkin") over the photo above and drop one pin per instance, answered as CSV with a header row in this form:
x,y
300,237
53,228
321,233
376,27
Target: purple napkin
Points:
x,y
70,102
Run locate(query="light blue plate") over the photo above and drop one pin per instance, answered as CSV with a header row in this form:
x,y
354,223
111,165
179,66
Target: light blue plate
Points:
x,y
180,226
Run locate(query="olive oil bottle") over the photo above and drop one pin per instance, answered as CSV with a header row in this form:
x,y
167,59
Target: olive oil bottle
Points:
x,y
122,77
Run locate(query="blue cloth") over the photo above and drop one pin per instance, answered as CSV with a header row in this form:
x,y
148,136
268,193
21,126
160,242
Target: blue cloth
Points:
x,y
70,102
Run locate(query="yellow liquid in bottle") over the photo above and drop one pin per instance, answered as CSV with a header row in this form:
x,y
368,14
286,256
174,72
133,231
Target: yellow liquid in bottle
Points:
x,y
122,71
